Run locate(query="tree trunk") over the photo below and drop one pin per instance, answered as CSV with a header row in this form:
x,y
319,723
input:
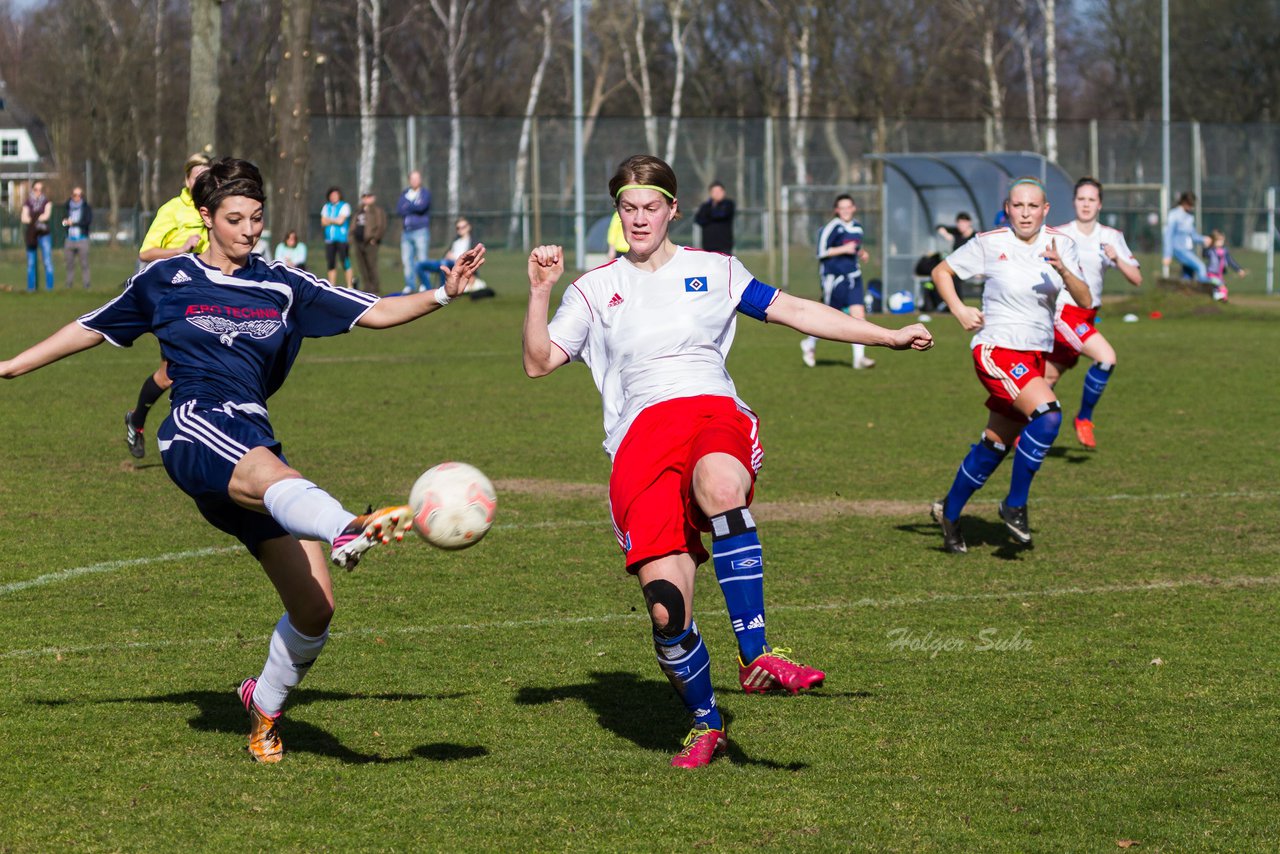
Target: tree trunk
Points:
x,y
1050,81
202,96
455,23
799,98
158,137
369,50
292,118
994,95
526,126
679,33
645,89
1024,40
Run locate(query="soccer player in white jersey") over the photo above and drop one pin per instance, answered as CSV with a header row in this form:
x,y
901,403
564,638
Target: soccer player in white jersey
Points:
x,y
230,326
1025,265
655,327
1074,330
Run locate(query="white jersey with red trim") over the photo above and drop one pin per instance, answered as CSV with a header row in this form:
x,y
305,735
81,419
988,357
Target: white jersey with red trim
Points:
x,y
653,336
1091,249
1021,288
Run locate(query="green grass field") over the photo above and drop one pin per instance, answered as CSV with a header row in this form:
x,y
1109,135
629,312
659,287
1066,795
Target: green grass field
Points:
x,y
1116,683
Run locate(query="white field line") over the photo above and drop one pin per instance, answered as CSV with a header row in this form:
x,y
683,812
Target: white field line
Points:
x,y
114,565
1159,586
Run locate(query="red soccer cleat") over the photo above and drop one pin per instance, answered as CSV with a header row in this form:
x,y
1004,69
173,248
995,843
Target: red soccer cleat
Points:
x,y
773,671
1084,432
700,746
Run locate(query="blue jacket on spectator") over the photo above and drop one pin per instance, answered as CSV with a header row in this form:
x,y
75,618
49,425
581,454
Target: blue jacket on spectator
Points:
x,y
414,206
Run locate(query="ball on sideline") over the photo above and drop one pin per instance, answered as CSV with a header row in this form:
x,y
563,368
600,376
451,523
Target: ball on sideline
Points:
x,y
453,505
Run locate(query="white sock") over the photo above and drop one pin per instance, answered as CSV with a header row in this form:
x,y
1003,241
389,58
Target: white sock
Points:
x,y
859,352
291,656
305,510
809,343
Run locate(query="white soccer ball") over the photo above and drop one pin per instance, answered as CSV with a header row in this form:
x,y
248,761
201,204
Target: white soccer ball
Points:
x,y
453,505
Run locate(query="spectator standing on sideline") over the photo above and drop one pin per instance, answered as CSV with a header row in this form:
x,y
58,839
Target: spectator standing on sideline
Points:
x,y
715,218
1182,238
291,251
335,216
460,244
366,237
414,209
77,217
35,216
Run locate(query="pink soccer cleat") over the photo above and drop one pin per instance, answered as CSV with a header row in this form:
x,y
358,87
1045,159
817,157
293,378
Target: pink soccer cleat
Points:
x,y
700,746
773,671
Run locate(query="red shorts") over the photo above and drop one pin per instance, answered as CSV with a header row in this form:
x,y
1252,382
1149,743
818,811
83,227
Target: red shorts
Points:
x,y
1005,373
1071,328
651,487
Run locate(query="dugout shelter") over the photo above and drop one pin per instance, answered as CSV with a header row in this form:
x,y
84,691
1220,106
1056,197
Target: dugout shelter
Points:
x,y
922,191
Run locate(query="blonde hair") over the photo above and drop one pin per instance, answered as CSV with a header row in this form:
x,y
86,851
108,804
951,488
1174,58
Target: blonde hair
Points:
x,y
193,161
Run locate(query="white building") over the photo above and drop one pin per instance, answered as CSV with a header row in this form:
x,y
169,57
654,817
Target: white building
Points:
x,y
25,153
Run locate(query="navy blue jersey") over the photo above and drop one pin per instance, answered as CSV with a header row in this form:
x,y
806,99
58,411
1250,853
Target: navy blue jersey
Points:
x,y
227,338
837,233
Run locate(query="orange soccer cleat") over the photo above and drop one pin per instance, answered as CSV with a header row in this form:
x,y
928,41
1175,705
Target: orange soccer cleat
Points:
x,y
1084,432
367,530
264,735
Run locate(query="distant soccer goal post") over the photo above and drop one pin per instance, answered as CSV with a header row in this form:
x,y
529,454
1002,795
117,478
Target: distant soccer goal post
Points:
x,y
803,208
1271,240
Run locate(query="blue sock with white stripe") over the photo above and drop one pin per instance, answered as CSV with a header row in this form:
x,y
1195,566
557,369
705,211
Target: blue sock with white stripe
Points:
x,y
686,663
982,459
1095,383
1035,442
735,552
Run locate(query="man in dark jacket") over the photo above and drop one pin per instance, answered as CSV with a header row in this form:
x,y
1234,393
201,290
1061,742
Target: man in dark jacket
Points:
x,y
366,237
77,216
715,217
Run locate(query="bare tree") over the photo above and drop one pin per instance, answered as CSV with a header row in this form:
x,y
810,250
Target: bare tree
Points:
x,y
369,78
984,17
292,117
631,37
202,98
1028,70
1049,11
526,126
680,29
456,20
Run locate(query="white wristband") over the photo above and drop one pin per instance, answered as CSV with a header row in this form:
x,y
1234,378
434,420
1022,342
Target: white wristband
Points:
x,y
442,296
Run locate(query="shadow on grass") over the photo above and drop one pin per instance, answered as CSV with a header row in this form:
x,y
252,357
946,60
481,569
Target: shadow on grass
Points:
x,y
977,533
1073,456
641,711
220,712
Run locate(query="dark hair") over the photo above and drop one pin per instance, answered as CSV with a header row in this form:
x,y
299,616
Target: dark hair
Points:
x,y
715,184
1088,182
1187,198
329,192
964,215
643,169
227,176
840,198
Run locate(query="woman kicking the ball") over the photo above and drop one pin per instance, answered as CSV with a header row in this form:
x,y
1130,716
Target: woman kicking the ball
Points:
x,y
230,326
655,327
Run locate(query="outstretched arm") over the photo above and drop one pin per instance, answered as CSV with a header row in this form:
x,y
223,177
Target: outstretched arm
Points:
x,y
67,341
823,321
394,311
541,357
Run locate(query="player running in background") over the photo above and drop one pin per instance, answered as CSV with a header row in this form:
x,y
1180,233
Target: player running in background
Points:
x,y
1025,265
655,327
839,251
176,230
230,326
1074,329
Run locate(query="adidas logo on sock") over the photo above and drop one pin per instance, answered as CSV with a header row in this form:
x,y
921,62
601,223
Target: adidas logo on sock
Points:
x,y
179,277
757,622
616,301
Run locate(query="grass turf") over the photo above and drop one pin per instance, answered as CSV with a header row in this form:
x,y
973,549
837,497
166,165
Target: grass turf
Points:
x,y
506,696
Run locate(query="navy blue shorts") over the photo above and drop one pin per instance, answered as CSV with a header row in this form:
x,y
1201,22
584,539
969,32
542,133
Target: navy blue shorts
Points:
x,y
842,291
200,445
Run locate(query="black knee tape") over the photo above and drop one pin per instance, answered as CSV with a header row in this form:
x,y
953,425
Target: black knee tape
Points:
x,y
994,446
1045,409
664,593
731,523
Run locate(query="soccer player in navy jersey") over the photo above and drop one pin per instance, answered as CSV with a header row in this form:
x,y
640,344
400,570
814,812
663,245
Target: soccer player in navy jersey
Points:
x,y
230,326
839,253
1026,264
655,327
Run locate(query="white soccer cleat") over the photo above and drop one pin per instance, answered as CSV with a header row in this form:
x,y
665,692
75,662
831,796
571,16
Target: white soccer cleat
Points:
x,y
807,354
